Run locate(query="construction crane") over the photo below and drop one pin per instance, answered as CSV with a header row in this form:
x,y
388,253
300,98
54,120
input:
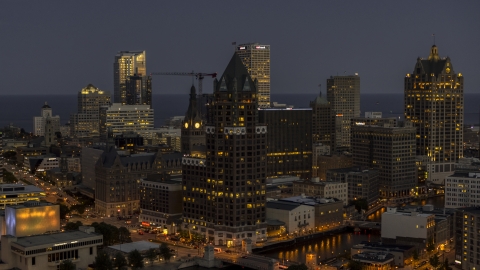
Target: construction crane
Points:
x,y
199,76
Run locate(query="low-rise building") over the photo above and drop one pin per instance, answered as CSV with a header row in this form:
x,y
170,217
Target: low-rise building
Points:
x,y
328,212
412,228
374,260
296,216
14,194
321,189
462,189
402,253
48,251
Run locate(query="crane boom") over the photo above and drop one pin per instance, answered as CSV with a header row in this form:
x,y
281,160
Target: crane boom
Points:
x,y
198,75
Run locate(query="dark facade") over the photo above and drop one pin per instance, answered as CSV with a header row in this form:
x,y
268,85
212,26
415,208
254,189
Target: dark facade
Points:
x,y
323,122
139,90
362,183
193,127
390,151
466,241
224,193
289,141
434,104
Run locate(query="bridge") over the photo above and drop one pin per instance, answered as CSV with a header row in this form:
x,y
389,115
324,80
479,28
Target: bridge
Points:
x,y
248,260
365,225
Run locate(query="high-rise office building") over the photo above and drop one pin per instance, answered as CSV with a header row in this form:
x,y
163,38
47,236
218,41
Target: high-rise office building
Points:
x,y
121,118
323,122
193,127
139,90
86,122
343,93
224,193
39,121
126,64
289,141
390,150
256,58
434,104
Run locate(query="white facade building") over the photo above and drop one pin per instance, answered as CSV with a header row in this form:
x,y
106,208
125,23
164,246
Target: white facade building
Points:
x,y
414,225
39,121
120,118
296,216
462,189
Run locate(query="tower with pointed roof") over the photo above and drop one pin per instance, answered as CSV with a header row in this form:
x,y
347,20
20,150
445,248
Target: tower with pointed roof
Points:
x,y
434,103
39,121
193,127
224,193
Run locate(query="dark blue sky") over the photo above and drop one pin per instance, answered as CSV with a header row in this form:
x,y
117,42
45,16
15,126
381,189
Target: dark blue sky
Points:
x,y
58,47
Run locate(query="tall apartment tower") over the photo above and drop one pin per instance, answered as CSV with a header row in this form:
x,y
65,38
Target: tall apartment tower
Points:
x,y
343,93
323,121
256,57
390,150
193,127
434,103
86,121
224,193
139,90
126,64
39,121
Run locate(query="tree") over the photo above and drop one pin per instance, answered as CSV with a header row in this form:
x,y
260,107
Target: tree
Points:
x,y
354,265
434,261
298,267
64,210
165,252
415,256
120,261
67,265
110,232
124,234
103,261
72,226
151,255
446,265
135,259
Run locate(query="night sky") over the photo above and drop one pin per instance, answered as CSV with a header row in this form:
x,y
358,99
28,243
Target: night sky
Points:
x,y
58,47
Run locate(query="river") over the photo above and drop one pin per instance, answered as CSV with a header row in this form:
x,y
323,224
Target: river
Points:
x,y
335,245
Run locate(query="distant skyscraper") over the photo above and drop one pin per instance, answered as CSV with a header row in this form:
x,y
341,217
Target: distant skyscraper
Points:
x,y
127,63
224,193
256,57
434,103
86,122
139,90
121,118
39,121
343,93
323,121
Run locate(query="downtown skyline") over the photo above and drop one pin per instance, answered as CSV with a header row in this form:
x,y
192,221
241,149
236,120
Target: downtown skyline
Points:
x,y
309,42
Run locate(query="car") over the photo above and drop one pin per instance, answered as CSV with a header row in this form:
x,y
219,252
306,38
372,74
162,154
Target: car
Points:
x,y
244,257
140,232
228,251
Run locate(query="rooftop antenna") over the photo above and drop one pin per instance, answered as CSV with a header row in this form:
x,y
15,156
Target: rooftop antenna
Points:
x,y
320,86
433,35
234,44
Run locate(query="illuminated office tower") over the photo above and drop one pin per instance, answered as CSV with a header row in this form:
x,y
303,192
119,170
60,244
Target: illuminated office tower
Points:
x,y
256,57
343,94
86,122
434,103
127,63
224,192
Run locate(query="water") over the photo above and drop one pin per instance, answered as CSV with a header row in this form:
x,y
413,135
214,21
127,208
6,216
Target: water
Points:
x,y
325,248
20,110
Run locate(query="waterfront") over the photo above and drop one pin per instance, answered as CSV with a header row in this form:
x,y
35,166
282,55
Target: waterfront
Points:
x,y
325,247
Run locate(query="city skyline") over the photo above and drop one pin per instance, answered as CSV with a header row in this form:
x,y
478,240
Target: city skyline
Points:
x,y
309,42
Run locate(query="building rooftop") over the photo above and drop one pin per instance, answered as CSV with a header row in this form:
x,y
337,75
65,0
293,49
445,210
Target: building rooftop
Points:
x,y
309,200
54,238
18,188
283,205
373,256
383,247
139,245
